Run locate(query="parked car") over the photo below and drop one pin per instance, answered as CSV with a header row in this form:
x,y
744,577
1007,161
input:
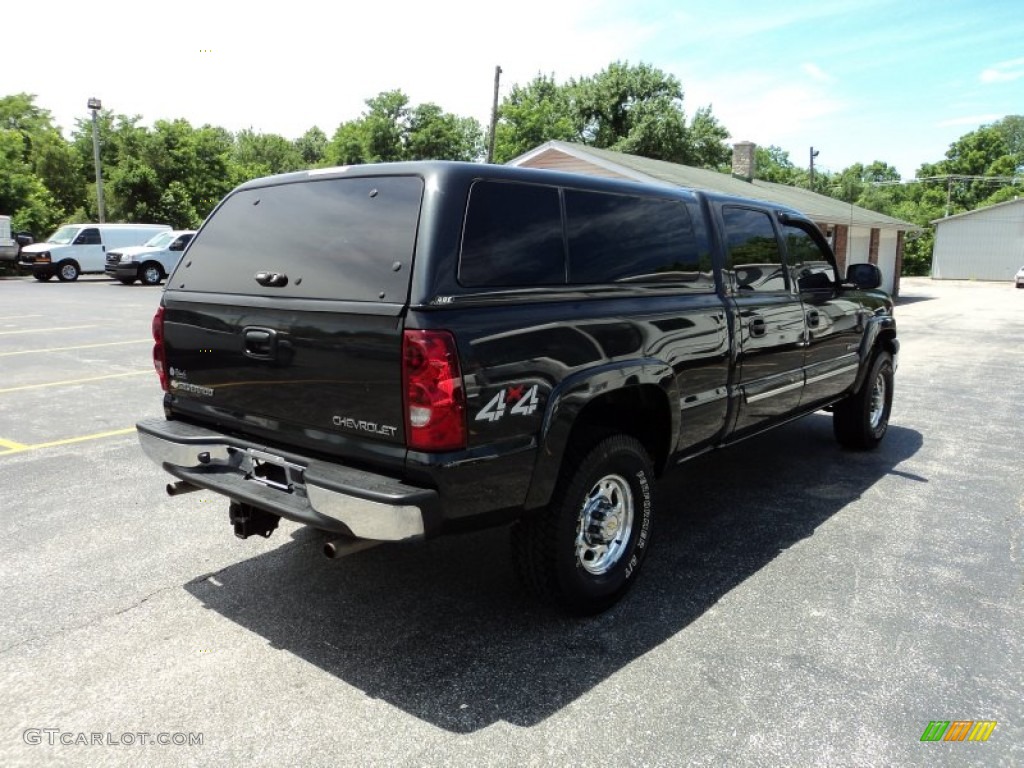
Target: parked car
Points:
x,y
393,352
151,262
75,249
1019,279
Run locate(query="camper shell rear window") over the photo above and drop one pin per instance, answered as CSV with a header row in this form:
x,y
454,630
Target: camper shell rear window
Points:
x,y
349,239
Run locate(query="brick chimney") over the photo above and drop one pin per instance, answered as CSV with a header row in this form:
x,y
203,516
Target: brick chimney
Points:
x,y
744,162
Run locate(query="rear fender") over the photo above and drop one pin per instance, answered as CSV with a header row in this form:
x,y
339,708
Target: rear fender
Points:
x,y
576,393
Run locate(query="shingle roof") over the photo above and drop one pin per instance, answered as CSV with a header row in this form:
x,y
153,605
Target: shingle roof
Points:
x,y
1005,204
820,208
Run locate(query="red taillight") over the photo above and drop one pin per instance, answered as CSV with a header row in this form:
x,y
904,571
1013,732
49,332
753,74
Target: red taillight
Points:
x,y
159,353
435,402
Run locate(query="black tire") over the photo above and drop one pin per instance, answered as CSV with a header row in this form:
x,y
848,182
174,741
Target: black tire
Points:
x,y
67,271
42,277
151,273
861,420
126,280
585,569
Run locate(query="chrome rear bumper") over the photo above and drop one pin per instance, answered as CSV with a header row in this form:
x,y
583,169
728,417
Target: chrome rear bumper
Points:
x,y
328,496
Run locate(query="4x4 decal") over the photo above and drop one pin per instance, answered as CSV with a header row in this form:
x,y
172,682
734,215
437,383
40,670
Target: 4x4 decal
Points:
x,y
523,402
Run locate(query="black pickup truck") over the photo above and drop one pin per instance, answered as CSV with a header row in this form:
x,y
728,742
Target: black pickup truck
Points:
x,y
390,352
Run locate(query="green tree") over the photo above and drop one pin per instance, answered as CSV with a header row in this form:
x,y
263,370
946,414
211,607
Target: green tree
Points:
x,y
312,147
385,126
348,145
38,181
22,194
133,192
390,131
530,115
635,109
437,135
268,151
773,164
705,141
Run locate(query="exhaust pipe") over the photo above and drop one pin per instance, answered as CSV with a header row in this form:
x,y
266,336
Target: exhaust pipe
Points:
x,y
180,487
343,546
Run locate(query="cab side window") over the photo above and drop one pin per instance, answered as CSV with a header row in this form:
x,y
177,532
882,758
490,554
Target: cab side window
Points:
x,y
89,236
809,265
753,256
621,238
512,236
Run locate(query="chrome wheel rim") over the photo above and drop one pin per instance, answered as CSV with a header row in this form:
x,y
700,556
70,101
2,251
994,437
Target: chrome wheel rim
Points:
x,y
68,272
151,275
604,525
877,409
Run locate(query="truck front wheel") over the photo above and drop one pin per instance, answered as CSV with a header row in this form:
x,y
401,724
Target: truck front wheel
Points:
x,y
583,552
861,420
67,271
151,273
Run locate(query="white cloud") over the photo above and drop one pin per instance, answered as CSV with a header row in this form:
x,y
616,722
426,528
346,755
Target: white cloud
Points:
x,y
1003,72
817,73
969,120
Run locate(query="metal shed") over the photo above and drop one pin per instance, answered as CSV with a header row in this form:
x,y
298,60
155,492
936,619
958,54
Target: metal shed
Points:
x,y
986,244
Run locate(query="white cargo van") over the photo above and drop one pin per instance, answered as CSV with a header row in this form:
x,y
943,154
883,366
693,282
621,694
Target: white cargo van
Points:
x,y
75,249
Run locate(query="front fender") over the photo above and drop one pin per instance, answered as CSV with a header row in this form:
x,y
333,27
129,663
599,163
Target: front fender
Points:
x,y
880,330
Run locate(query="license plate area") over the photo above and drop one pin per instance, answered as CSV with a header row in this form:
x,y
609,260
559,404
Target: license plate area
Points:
x,y
272,471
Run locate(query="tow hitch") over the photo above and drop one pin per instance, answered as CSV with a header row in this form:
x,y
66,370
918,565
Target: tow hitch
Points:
x,y
252,521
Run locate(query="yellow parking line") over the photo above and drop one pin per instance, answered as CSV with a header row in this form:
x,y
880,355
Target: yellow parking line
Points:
x,y
69,382
68,349
20,447
46,330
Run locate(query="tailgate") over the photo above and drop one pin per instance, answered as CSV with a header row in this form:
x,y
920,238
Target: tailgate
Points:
x,y
284,319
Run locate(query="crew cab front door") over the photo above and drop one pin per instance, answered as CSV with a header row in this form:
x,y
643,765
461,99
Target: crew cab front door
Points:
x,y
769,317
835,325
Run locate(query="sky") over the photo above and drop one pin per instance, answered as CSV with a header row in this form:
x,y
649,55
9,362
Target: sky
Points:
x,y
859,81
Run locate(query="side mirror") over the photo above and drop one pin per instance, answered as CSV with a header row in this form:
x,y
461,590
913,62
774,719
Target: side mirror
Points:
x,y
864,276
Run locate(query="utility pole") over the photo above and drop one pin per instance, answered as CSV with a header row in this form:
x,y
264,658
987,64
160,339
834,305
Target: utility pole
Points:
x,y
494,114
96,105
814,154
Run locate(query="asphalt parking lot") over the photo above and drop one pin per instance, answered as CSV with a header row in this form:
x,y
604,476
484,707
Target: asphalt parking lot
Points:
x,y
802,605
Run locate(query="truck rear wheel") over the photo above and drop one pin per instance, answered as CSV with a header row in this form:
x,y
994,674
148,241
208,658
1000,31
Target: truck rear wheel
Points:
x,y
861,420
583,552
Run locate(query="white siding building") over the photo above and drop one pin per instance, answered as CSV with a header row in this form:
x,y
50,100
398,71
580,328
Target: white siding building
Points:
x,y
987,244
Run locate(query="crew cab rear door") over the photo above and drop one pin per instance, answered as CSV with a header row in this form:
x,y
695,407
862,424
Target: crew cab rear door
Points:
x,y
285,317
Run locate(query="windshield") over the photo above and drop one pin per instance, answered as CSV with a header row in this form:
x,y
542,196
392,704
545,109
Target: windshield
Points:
x,y
160,241
63,236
